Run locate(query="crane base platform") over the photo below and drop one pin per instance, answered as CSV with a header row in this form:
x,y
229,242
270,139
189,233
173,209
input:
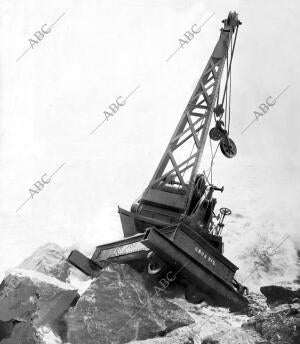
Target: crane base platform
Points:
x,y
195,263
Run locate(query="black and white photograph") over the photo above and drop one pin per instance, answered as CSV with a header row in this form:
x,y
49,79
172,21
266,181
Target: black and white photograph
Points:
x,y
149,172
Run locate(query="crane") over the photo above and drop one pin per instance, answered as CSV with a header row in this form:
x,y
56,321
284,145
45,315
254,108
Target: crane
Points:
x,y
172,224
176,187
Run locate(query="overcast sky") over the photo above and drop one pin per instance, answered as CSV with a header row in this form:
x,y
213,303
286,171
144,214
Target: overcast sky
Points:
x,y
56,94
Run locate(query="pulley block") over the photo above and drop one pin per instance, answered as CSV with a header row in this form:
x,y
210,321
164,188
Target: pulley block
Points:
x,y
228,147
218,132
215,134
219,110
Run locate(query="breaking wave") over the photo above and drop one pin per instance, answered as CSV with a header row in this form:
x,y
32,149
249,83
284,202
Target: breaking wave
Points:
x,y
266,254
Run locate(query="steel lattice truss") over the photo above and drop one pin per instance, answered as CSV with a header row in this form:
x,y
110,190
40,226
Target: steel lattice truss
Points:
x,y
191,130
179,164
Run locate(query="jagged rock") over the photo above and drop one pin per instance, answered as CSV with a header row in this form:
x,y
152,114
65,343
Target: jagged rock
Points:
x,y
277,295
277,325
18,298
49,259
23,333
33,298
117,308
6,328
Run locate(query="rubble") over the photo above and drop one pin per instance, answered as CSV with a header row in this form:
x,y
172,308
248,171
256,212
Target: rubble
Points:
x,y
257,304
280,324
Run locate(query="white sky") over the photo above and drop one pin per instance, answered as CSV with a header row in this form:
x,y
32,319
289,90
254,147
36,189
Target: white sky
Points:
x,y
55,95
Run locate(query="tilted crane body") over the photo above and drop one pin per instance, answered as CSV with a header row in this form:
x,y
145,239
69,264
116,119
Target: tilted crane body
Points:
x,y
171,224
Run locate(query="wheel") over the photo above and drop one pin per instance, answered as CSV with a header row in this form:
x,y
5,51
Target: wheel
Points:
x,y
154,266
228,147
193,295
225,211
245,291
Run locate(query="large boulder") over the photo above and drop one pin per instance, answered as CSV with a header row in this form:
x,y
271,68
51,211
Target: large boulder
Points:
x,y
35,299
277,295
117,308
49,259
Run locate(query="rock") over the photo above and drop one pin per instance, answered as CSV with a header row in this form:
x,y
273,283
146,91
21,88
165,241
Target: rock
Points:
x,y
33,298
6,328
49,259
166,340
209,340
277,295
276,325
117,308
183,335
231,336
295,308
23,333
18,298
